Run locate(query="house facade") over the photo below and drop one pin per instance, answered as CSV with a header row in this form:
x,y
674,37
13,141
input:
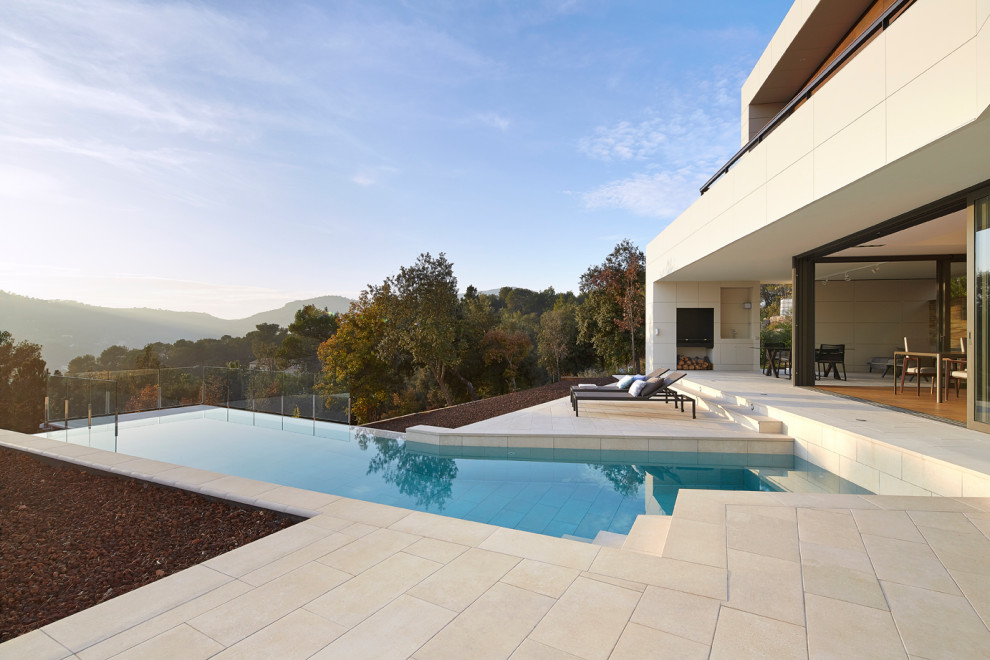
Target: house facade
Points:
x,y
863,181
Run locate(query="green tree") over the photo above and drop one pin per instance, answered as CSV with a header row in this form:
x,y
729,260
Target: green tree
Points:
x,y
148,359
557,338
266,340
421,309
770,296
83,364
622,277
509,348
23,379
114,358
351,362
311,327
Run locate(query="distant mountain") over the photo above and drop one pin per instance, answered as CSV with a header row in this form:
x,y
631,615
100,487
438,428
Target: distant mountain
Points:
x,y
65,328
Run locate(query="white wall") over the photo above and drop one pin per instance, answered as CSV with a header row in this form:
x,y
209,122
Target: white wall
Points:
x,y
729,354
924,78
872,317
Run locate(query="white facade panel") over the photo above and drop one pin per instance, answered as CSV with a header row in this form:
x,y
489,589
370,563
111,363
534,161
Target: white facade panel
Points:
x,y
847,97
866,138
924,35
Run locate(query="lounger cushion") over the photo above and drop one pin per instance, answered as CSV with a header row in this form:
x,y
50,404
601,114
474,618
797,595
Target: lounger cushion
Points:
x,y
626,382
652,386
636,389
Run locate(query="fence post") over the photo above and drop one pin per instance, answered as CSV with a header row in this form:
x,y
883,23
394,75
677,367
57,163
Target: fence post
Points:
x,y
159,389
67,413
47,410
89,416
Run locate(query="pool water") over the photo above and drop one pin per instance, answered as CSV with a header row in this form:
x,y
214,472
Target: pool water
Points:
x,y
573,494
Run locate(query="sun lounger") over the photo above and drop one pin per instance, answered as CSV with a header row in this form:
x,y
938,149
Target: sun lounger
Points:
x,y
614,387
665,393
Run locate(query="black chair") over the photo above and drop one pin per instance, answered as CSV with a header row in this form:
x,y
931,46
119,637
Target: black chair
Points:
x,y
828,358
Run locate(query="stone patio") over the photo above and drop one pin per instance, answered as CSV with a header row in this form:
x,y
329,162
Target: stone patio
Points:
x,y
728,575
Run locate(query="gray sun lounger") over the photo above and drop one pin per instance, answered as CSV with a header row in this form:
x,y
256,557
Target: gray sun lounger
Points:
x,y
613,387
665,393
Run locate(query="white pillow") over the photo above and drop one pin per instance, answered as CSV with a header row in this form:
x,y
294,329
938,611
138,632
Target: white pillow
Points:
x,y
625,382
637,387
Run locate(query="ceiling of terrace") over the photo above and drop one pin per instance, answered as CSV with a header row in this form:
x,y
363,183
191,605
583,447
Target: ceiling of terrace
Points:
x,y
945,235
828,23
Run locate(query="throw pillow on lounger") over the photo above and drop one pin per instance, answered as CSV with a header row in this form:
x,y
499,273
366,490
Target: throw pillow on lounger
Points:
x,y
636,388
626,382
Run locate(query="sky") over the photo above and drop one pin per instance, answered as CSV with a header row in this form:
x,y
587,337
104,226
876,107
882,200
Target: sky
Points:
x,y
230,156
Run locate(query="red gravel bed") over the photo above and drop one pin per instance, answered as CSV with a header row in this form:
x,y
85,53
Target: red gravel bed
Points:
x,y
476,411
70,539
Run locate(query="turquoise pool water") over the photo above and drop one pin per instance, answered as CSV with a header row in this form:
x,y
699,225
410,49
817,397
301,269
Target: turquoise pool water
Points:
x,y
558,493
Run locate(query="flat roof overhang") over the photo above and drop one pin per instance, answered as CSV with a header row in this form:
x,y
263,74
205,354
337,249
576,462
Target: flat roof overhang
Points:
x,y
940,169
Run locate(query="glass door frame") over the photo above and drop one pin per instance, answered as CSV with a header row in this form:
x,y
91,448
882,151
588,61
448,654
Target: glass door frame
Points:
x,y
971,314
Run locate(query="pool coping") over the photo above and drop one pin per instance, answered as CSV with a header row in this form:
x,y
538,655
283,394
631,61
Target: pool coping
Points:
x,y
722,584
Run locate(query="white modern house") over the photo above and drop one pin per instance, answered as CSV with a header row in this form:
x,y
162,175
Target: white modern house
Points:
x,y
863,180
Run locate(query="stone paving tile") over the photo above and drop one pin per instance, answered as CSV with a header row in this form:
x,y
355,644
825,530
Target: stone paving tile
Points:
x,y
696,541
233,621
533,650
463,532
561,552
675,612
181,641
588,632
492,627
355,600
186,476
833,528
767,586
742,635
294,560
296,497
662,572
253,556
981,521
439,551
937,625
396,631
962,551
357,530
365,552
607,579
459,583
638,642
908,563
326,521
97,623
240,486
841,574
369,513
769,531
541,578
35,645
976,588
946,520
837,629
156,625
891,524
915,503
296,636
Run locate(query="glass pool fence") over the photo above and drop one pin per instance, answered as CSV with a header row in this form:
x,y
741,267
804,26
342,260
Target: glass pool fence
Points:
x,y
99,398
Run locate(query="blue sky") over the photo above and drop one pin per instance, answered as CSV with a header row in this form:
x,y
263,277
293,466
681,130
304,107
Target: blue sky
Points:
x,y
231,156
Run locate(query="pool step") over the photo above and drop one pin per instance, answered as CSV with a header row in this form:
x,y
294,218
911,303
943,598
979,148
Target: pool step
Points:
x,y
603,538
648,535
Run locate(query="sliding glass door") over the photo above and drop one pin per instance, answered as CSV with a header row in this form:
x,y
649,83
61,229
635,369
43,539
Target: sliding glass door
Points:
x,y
980,346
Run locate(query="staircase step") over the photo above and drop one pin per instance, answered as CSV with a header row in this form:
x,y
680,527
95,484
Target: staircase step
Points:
x,y
648,535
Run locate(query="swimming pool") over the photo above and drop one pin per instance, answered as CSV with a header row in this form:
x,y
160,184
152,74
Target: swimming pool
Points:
x,y
569,493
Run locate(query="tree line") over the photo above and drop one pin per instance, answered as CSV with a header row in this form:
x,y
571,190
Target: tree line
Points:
x,y
408,344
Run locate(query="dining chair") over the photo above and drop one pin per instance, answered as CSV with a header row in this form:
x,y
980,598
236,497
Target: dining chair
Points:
x,y
957,370
916,371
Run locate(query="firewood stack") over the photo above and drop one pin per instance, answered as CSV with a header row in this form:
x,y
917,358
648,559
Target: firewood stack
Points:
x,y
687,363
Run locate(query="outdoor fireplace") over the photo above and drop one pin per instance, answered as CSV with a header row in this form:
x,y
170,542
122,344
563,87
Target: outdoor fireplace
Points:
x,y
695,327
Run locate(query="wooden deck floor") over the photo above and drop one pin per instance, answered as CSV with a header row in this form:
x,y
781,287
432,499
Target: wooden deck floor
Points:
x,y
952,408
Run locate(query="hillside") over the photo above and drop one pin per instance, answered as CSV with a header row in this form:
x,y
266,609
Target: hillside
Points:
x,y
65,328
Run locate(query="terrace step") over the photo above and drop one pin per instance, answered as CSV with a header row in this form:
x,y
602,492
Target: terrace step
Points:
x,y
741,414
648,535
609,539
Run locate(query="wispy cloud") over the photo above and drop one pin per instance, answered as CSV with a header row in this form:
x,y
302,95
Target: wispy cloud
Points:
x,y
676,147
371,175
494,120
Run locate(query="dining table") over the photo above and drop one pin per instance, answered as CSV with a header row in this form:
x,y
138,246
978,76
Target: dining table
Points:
x,y
938,356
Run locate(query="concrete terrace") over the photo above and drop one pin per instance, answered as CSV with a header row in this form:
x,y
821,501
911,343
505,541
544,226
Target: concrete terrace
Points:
x,y
728,575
